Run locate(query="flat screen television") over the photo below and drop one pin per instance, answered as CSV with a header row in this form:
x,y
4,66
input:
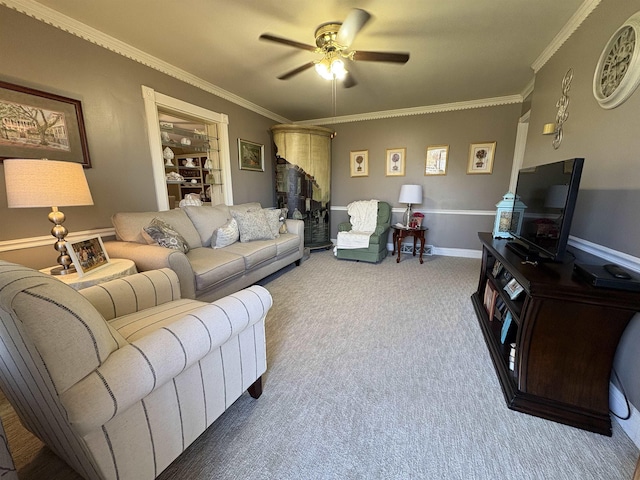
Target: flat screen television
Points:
x,y
549,193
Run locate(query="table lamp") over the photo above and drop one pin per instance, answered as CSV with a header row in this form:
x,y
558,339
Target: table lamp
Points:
x,y
410,194
48,183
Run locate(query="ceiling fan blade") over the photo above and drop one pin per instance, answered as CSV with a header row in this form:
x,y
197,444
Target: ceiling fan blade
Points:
x,y
354,22
285,41
349,81
394,57
296,71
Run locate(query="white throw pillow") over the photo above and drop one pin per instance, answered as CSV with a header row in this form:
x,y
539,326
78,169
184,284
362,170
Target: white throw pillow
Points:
x,y
226,234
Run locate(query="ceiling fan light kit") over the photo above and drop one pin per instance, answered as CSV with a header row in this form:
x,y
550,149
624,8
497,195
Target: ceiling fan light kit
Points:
x,y
333,40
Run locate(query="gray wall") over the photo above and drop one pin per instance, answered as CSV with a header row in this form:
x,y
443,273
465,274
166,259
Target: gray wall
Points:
x,y
109,85
608,201
454,191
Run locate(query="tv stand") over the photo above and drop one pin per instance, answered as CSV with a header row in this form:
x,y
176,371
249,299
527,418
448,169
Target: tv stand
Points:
x,y
565,334
523,252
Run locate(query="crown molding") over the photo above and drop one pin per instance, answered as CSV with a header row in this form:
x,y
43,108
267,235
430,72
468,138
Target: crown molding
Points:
x,y
90,34
563,35
405,112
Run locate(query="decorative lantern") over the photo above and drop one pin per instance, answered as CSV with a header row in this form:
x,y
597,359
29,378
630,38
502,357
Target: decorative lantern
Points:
x,y
509,206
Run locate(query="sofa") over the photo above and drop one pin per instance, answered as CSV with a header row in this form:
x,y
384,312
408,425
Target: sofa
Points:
x,y
377,249
207,273
120,378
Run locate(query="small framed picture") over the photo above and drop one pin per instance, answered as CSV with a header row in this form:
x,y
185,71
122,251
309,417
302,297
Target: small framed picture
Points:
x,y
87,254
513,288
395,164
497,268
436,160
250,155
359,161
481,157
490,296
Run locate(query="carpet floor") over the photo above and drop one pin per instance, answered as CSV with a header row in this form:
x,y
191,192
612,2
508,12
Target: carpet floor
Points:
x,y
375,372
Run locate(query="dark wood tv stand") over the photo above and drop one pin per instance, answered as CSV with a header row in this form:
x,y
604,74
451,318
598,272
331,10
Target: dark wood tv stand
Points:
x,y
565,332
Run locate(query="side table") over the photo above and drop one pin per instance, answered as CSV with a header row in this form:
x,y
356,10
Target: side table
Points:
x,y
117,267
402,232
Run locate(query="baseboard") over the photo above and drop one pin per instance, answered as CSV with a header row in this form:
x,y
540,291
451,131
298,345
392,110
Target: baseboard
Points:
x,y
618,404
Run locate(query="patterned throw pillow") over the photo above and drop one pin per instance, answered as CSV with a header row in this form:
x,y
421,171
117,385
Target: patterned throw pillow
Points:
x,y
253,225
273,218
165,235
226,234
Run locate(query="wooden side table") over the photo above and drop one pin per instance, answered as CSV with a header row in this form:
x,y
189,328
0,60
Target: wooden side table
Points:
x,y
401,232
116,268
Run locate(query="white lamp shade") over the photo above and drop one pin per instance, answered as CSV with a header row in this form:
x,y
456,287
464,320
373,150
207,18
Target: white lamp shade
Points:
x,y
410,194
45,183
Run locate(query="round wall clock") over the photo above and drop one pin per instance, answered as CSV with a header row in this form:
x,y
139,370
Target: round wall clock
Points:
x,y
618,72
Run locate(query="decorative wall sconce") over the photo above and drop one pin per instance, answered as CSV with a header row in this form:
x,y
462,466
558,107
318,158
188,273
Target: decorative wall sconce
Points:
x,y
563,112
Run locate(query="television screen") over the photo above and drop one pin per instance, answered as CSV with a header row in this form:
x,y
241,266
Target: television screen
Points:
x,y
548,195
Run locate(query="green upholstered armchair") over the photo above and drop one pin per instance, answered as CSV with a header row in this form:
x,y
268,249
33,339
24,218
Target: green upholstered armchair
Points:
x,y
377,249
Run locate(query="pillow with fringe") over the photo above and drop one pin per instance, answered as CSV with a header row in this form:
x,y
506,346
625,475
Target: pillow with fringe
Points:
x,y
165,235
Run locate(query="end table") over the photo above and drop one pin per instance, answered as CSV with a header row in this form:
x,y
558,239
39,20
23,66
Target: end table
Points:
x,y
116,268
402,232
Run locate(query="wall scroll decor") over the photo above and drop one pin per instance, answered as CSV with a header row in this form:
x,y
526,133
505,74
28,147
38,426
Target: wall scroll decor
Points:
x,y
563,108
35,124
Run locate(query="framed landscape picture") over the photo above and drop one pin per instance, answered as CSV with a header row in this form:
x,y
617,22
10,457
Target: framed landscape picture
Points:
x,y
436,160
36,124
359,161
395,162
250,155
481,157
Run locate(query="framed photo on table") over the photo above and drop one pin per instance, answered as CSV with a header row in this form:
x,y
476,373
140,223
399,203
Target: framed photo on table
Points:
x,y
513,288
436,160
87,254
481,157
359,161
250,155
38,124
395,162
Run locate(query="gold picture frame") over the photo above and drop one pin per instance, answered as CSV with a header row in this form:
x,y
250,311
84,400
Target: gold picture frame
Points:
x,y
359,162
481,157
395,162
250,155
435,162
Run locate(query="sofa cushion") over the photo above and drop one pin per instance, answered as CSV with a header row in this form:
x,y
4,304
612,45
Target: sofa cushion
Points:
x,y
165,235
273,219
129,225
214,266
287,243
226,235
254,253
207,219
253,225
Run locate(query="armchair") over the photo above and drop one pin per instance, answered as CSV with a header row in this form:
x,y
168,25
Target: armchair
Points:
x,y
120,378
377,249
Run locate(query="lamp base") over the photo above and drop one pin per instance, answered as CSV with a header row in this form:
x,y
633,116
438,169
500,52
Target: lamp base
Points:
x,y
63,271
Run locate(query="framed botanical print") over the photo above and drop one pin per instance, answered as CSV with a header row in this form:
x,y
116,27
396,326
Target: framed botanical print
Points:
x,y
436,160
481,157
359,161
395,162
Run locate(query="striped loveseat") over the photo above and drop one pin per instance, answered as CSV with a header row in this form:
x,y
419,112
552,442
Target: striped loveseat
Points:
x,y
118,379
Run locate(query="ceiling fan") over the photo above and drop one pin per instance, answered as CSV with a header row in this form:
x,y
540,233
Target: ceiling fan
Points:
x,y
333,40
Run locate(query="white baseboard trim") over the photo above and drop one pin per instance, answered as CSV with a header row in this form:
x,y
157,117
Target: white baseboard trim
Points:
x,y
48,240
618,404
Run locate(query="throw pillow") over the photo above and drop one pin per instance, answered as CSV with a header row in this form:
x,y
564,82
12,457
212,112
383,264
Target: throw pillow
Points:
x,y
273,218
226,234
165,235
253,225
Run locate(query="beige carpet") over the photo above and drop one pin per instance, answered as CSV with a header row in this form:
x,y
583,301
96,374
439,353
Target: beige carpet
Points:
x,y
376,372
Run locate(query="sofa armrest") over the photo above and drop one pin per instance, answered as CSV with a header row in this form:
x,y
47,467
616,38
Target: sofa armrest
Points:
x,y
134,371
295,226
155,257
133,293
